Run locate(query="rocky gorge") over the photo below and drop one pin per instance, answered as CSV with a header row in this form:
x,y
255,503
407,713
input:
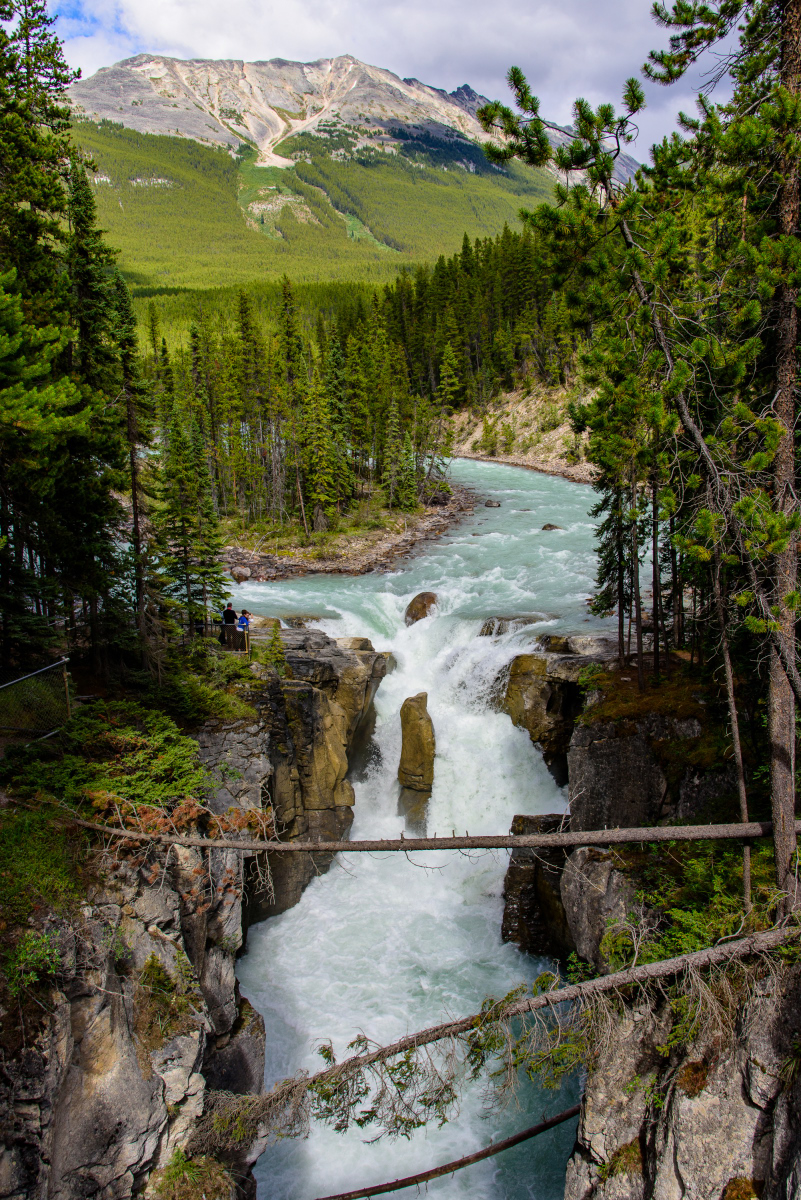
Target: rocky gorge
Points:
x,y
148,1014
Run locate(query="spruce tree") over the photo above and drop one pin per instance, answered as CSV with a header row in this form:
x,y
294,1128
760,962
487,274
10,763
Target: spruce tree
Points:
x,y
91,302
319,456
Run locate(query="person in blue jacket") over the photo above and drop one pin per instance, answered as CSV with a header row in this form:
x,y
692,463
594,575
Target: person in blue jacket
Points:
x,y
244,619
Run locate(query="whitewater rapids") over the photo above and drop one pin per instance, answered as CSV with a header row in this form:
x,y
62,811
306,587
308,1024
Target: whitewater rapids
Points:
x,y
387,944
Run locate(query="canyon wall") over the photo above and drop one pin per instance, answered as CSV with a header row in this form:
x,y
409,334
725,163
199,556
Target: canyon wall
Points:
x,y
716,1115
148,1014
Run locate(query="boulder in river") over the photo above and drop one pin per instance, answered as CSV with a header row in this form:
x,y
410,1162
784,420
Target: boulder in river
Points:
x,y
492,504
420,607
495,626
240,574
549,526
416,769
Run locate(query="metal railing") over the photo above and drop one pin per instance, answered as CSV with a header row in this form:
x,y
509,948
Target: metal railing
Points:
x,y
38,703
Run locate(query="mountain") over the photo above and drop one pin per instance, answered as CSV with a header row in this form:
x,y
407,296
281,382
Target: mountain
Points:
x,y
214,173
229,101
225,103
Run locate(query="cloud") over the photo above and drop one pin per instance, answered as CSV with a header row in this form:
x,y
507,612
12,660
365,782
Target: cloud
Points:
x,y
570,48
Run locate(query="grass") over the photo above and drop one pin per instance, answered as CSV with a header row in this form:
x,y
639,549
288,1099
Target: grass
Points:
x,y
186,1178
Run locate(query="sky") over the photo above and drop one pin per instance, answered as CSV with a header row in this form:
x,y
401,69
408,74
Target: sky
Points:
x,y
567,48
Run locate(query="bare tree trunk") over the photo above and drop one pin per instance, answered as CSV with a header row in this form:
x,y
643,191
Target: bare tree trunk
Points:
x,y
635,587
655,571
735,728
781,701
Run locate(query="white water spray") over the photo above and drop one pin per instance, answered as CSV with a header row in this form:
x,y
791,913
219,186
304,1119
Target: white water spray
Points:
x,y
387,944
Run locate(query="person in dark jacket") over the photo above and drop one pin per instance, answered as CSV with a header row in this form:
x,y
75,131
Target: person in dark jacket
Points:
x,y
228,618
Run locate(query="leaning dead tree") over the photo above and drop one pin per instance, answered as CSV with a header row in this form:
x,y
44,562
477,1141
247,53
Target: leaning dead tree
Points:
x,y
401,1086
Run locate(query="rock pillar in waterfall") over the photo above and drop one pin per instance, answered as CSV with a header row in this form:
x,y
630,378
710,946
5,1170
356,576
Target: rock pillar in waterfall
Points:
x,y
416,769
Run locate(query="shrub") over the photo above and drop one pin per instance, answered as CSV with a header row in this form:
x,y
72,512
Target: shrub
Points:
x,y
193,1179
36,957
508,434
550,417
489,437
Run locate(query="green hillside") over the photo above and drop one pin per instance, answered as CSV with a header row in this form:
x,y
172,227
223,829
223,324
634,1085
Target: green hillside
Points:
x,y
186,215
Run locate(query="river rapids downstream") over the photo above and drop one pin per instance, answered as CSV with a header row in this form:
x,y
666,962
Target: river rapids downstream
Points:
x,y
387,944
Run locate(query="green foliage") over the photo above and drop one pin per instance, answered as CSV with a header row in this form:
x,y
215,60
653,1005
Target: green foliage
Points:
x,y
590,677
35,957
273,654
319,220
110,752
200,1178
166,1005
551,417
626,1160
39,864
692,897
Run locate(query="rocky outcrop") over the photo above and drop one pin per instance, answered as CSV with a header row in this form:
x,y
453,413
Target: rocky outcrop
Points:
x,y
718,1120
496,626
543,694
708,1113
416,769
148,1014
114,1079
312,719
419,607
640,772
558,902
594,893
534,914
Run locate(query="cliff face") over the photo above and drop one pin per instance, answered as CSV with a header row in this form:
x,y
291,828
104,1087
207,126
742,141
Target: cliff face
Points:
x,y
148,1014
717,1116
721,1123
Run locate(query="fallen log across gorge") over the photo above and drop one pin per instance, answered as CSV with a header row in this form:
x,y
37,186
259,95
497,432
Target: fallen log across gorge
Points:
x,y
457,1164
281,1111
586,837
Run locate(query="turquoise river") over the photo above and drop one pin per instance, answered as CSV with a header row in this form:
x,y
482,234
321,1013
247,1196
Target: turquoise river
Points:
x,y
387,944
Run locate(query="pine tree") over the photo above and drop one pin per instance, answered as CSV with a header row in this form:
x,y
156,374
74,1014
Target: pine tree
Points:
x,y
393,455
319,456
138,415
188,531
91,306
34,147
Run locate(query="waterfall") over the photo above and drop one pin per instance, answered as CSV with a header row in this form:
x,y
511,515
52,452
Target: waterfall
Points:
x,y
386,944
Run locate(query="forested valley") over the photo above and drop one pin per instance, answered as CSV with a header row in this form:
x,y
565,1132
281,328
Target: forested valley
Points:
x,y
142,432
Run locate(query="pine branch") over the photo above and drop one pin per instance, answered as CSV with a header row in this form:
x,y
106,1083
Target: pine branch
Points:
x,y
457,1164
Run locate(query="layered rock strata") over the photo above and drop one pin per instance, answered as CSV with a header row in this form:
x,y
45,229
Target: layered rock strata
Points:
x,y
542,692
